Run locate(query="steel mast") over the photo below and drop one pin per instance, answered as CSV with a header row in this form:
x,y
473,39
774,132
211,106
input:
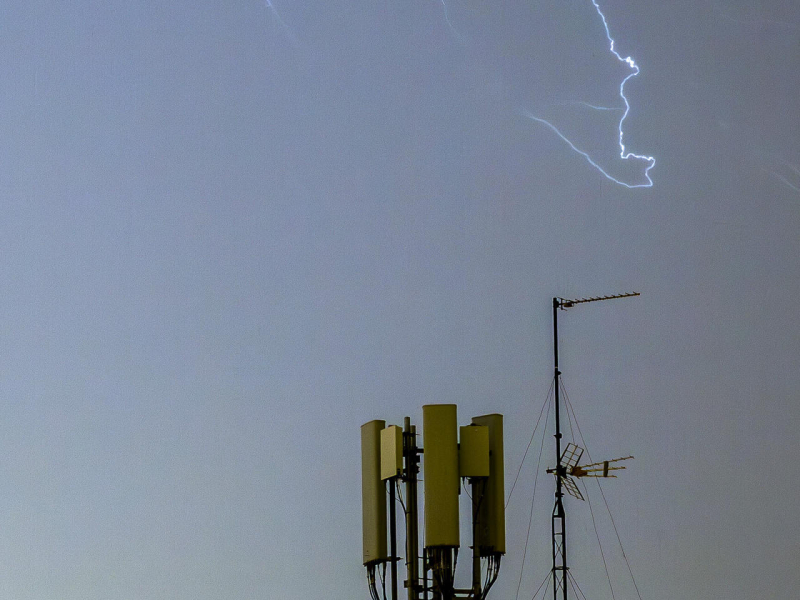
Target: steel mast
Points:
x,y
559,522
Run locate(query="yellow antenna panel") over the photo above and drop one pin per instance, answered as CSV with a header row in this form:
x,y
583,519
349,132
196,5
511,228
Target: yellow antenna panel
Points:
x,y
440,475
473,451
373,494
391,452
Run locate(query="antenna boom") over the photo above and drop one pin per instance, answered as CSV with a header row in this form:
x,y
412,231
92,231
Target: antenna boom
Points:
x,y
564,303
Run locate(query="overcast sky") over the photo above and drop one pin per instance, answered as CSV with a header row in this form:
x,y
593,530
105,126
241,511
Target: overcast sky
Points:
x,y
232,232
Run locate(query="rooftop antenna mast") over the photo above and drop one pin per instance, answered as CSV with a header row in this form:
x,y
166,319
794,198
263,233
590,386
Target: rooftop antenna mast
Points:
x,y
559,523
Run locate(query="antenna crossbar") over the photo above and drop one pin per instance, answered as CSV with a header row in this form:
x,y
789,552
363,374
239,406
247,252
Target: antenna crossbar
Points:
x,y
600,464
598,469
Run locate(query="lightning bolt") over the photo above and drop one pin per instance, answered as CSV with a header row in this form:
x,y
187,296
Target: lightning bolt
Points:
x,y
651,161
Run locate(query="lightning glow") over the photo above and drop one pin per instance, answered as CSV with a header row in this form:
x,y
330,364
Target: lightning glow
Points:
x,y
752,20
651,161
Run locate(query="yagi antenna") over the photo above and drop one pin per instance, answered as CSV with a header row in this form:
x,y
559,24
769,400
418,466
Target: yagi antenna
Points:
x,y
567,464
564,303
570,468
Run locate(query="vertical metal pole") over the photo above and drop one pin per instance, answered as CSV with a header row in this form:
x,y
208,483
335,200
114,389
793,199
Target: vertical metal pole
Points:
x,y
559,526
393,536
477,497
425,574
412,542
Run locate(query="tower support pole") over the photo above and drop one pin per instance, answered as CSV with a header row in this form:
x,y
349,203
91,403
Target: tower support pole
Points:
x,y
393,536
559,523
411,457
478,490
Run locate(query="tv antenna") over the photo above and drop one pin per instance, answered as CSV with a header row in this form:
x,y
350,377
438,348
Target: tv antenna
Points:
x,y
567,466
570,469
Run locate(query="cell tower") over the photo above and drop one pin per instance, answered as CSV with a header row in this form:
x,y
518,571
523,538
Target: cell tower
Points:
x,y
567,462
390,456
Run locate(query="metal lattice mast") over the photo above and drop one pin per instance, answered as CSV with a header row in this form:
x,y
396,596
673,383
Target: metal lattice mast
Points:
x,y
558,521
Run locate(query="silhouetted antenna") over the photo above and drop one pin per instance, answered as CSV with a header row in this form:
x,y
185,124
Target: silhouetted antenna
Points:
x,y
567,463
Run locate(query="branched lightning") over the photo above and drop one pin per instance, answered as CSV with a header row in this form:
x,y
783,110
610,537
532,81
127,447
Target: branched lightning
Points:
x,y
792,167
277,17
449,22
651,161
589,158
581,102
790,173
587,105
785,181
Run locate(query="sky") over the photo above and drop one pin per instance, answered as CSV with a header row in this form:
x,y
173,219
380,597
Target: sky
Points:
x,y
234,232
